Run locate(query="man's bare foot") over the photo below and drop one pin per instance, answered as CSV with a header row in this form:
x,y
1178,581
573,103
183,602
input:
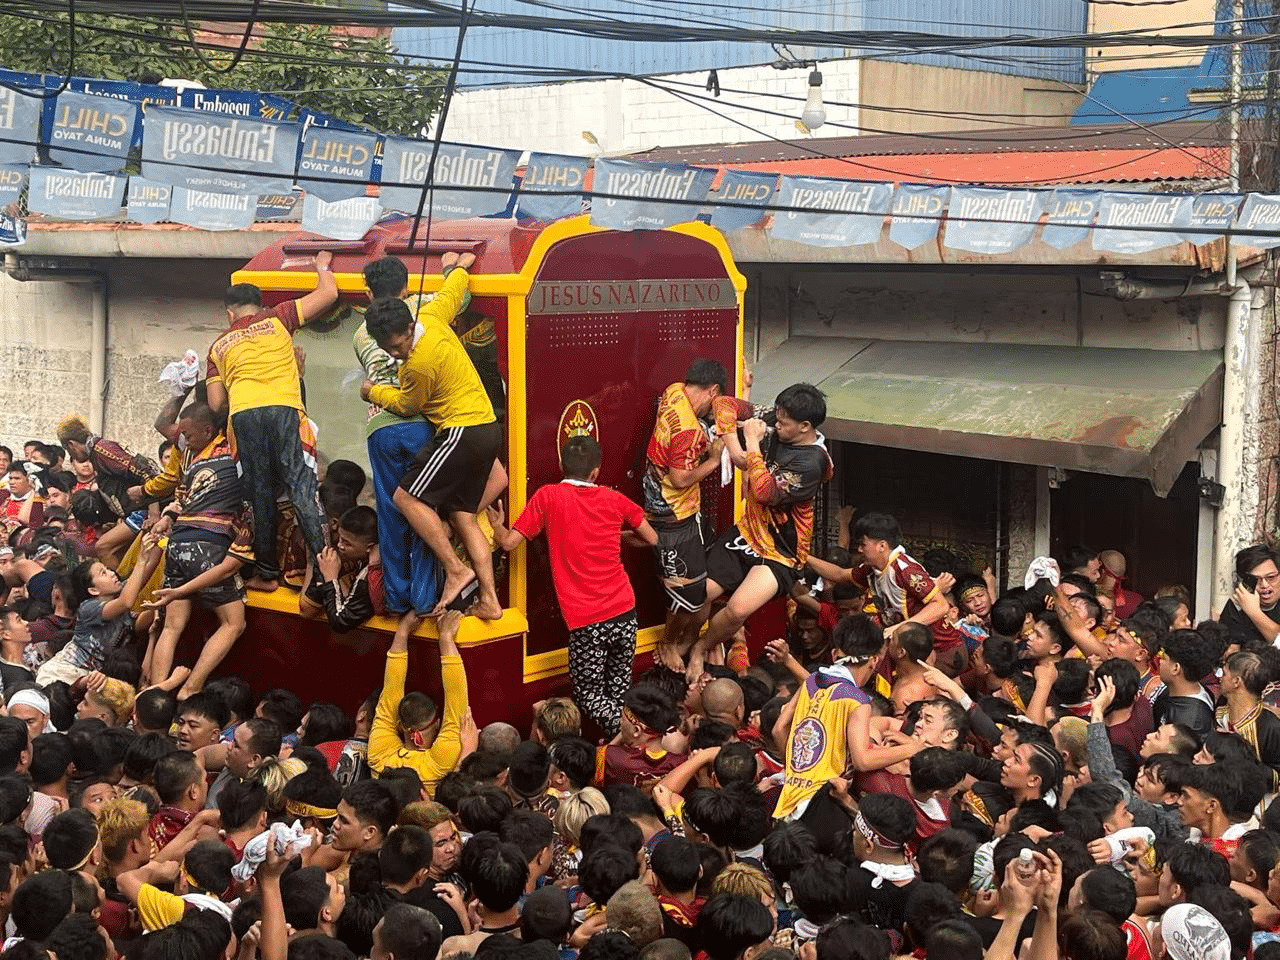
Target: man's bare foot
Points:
x,y
188,691
696,666
668,655
454,584
486,608
715,655
264,586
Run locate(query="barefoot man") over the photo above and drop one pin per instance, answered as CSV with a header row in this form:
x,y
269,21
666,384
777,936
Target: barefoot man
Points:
x,y
679,459
448,479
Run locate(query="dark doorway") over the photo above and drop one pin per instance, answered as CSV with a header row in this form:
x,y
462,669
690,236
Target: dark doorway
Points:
x,y
1156,535
941,502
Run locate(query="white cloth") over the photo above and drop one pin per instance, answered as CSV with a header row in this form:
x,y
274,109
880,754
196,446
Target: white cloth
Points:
x,y
202,901
1191,932
36,701
1042,568
1118,842
290,840
181,375
891,872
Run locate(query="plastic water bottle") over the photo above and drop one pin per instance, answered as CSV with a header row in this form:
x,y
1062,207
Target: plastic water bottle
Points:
x,y
1026,864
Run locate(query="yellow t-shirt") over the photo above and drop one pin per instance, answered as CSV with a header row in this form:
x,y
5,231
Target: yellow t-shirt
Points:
x,y
254,360
439,381
159,909
387,751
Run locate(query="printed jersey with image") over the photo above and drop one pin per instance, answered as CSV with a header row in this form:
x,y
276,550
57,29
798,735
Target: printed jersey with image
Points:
x,y
382,370
782,481
254,360
678,442
818,745
902,589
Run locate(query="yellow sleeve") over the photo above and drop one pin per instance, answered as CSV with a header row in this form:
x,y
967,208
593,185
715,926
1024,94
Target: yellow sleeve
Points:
x,y
448,746
453,296
166,481
409,398
384,738
159,909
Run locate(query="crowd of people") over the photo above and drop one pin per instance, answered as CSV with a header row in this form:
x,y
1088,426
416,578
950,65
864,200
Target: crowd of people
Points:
x,y
923,765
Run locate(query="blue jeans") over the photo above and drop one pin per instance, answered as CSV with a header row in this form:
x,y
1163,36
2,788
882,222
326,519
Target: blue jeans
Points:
x,y
410,575
269,449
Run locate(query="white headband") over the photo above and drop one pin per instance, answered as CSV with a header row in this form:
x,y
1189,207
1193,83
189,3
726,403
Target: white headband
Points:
x,y
36,701
30,698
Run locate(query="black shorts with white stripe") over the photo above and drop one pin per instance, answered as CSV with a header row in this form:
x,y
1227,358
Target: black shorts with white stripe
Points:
x,y
449,474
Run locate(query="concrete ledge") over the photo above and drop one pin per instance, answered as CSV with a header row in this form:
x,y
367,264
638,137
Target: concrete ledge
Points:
x,y
164,241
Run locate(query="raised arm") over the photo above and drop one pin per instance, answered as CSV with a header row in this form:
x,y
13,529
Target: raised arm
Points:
x,y
324,295
506,539
142,571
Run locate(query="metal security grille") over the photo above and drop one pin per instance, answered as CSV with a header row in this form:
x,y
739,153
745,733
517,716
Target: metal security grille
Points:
x,y
941,502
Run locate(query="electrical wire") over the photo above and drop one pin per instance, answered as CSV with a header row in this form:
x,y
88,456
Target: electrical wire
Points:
x,y
538,71
439,15
428,187
800,145
244,39
704,101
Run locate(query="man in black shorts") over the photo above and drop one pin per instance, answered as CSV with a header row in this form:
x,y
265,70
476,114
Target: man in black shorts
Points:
x,y
679,458
208,543
763,555
450,476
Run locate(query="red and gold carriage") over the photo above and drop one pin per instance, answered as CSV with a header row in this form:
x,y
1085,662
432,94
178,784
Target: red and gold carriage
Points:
x,y
591,325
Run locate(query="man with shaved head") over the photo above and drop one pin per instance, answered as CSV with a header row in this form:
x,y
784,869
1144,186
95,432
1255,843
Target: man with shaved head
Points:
x,y
1111,575
499,740
723,700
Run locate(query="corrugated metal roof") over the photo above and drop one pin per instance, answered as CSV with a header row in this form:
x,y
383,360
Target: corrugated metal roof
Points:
x,y
1118,136
492,47
1011,168
1025,155
1128,413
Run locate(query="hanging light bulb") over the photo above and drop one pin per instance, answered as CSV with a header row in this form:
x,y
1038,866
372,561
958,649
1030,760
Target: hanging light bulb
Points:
x,y
814,115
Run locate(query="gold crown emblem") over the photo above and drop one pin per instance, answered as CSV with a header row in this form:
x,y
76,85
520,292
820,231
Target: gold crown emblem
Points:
x,y
579,425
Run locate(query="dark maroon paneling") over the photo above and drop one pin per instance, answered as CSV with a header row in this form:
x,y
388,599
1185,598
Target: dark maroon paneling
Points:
x,y
619,363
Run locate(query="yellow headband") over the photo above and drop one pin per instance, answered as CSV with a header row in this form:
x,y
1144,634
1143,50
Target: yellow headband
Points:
x,y
978,808
300,809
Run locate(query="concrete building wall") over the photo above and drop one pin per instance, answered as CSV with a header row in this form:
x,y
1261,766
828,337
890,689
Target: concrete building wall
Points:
x,y
626,116
980,306
1173,17
156,311
927,98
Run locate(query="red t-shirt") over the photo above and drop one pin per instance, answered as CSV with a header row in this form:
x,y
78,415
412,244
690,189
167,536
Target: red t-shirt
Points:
x,y
1138,944
1133,731
582,522
882,781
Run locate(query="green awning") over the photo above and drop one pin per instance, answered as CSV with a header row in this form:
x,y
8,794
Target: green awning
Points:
x,y
1128,413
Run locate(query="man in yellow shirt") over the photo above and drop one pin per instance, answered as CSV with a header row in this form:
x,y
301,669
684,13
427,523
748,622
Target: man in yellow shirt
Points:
x,y
253,378
450,474
408,729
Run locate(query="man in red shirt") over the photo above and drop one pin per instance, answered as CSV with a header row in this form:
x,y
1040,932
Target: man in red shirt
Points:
x,y
935,774
582,522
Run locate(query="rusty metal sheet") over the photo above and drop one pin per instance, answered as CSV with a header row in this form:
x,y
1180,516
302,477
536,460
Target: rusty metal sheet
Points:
x,y
1130,413
1066,137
